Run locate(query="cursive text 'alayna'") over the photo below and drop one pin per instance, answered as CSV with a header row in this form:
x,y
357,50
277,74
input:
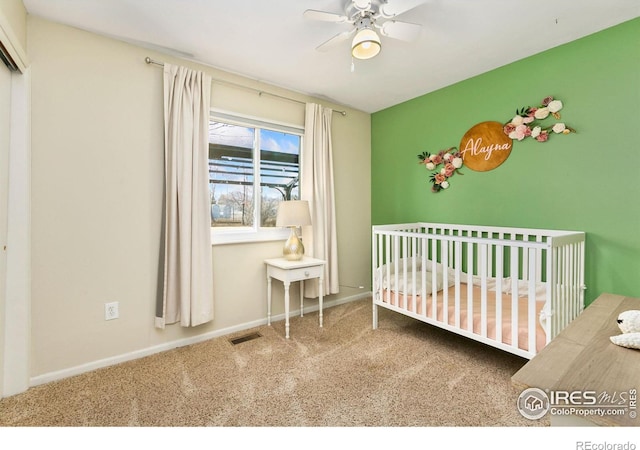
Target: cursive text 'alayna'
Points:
x,y
476,148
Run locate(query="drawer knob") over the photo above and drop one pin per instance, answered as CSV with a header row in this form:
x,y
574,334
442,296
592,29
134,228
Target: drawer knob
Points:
x,y
306,273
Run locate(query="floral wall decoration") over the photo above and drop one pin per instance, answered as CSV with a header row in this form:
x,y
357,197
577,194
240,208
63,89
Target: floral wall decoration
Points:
x,y
484,149
450,159
524,122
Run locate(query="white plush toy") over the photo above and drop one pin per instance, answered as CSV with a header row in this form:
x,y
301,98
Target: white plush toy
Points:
x,y
629,323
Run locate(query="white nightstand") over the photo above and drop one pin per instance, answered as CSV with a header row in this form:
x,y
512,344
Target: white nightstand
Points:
x,y
288,272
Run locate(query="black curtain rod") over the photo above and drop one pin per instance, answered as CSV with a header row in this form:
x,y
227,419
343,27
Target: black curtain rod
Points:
x,y
260,92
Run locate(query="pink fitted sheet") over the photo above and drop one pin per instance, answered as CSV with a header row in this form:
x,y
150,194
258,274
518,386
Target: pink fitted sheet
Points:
x,y
523,313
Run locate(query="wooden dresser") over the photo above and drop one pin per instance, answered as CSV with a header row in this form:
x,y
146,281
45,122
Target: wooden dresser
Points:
x,y
582,364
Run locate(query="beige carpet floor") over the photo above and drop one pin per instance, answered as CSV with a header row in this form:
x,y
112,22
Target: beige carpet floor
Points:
x,y
346,374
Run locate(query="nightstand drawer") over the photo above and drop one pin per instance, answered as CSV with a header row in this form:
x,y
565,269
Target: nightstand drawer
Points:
x,y
304,273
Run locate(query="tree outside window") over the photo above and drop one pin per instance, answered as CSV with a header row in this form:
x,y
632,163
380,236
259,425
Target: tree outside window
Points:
x,y
251,170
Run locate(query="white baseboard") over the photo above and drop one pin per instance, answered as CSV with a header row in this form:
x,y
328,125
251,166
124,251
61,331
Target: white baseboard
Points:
x,y
88,367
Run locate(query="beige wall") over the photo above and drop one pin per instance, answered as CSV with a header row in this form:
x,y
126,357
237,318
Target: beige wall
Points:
x,y
97,149
15,15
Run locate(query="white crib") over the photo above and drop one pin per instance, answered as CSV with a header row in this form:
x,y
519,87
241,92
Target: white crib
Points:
x,y
512,288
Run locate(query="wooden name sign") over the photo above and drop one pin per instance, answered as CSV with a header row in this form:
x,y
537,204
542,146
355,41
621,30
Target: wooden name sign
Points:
x,y
485,146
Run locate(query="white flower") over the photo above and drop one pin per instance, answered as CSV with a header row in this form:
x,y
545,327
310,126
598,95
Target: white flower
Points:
x,y
535,132
559,127
443,171
444,184
541,113
457,162
554,106
430,166
447,156
517,120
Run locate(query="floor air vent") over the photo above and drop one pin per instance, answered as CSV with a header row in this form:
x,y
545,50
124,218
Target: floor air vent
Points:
x,y
245,338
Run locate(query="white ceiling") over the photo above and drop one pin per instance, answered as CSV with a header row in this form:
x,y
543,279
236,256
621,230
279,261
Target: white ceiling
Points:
x,y
271,41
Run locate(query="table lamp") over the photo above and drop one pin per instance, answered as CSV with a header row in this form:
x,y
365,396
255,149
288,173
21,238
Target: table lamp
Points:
x,y
292,214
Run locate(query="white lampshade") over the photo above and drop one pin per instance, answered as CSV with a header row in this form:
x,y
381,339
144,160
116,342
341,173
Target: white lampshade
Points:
x,y
293,213
366,44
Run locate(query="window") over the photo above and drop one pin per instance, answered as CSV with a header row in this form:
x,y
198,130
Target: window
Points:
x,y
253,166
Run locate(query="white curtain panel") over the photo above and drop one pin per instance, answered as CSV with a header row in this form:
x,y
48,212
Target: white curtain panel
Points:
x,y
188,272
320,239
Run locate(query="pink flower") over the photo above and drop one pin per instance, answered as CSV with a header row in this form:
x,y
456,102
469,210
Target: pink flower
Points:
x,y
508,128
448,170
436,159
520,132
543,136
439,178
547,100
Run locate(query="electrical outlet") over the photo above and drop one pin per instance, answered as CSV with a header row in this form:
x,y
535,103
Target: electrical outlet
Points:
x,y
111,311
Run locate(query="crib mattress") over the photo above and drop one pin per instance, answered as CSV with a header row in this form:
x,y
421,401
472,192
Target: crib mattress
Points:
x,y
398,300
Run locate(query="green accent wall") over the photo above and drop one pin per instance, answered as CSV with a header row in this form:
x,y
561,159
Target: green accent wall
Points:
x,y
587,181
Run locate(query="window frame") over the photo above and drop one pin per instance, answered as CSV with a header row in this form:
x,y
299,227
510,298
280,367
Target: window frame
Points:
x,y
256,233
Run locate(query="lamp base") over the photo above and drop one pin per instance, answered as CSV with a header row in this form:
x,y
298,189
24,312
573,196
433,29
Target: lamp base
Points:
x,y
293,249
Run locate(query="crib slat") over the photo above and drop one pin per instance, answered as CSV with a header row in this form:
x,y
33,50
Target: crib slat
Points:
x,y
458,268
514,296
402,250
531,299
470,272
388,266
499,280
423,274
445,290
434,280
483,261
413,273
556,290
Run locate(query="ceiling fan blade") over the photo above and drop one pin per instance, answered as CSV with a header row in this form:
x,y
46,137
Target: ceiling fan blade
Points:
x,y
392,8
340,37
403,31
324,16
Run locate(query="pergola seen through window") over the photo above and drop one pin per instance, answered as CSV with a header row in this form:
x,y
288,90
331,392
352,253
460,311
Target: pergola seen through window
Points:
x,y
246,184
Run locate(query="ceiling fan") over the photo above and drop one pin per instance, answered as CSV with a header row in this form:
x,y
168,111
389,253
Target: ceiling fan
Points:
x,y
365,17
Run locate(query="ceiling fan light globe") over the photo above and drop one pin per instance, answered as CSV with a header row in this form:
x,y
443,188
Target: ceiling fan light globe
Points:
x,y
366,44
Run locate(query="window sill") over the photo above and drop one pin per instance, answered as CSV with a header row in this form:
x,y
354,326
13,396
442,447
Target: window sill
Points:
x,y
242,236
